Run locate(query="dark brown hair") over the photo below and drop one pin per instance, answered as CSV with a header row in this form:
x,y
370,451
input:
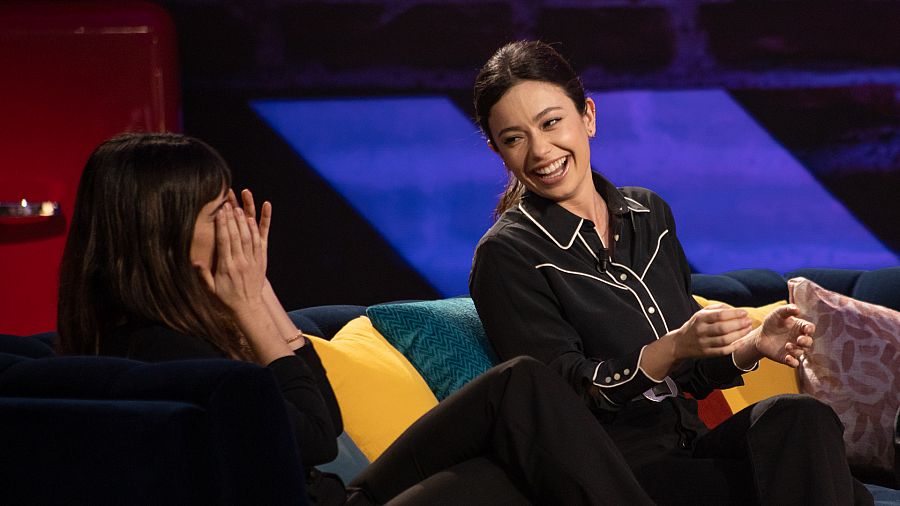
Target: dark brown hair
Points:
x,y
127,256
510,65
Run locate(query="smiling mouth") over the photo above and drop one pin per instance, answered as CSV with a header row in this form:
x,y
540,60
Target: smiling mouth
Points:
x,y
553,172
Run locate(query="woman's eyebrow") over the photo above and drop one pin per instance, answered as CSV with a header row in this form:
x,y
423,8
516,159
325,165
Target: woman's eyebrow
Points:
x,y
543,113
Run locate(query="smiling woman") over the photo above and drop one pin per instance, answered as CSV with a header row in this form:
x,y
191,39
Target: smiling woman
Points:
x,y
591,280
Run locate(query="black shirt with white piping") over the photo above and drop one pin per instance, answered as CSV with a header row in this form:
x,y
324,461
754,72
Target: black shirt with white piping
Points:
x,y
545,286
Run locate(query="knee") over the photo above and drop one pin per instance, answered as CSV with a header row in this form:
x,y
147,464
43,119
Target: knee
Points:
x,y
523,365
801,408
525,369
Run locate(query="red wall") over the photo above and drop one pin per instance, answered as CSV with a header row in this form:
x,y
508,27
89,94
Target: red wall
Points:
x,y
74,74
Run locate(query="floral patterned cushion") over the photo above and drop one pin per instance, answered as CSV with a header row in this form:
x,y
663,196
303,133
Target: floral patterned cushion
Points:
x,y
855,368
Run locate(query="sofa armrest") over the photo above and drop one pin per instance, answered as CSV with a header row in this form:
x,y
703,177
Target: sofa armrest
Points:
x,y
113,419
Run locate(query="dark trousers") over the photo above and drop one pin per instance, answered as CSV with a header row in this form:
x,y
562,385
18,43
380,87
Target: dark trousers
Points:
x,y
515,435
786,450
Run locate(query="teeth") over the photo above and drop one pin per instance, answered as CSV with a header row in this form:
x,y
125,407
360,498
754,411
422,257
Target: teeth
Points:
x,y
553,167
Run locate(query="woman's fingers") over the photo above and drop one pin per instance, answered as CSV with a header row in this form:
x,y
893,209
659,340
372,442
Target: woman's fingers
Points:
x,y
256,240
710,314
721,343
722,321
243,230
233,219
265,221
249,205
223,237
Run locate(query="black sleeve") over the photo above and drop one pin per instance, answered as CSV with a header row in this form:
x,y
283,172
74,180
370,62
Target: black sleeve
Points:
x,y
522,316
310,415
308,353
311,418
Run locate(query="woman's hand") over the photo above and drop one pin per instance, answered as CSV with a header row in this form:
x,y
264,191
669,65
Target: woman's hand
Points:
x,y
285,325
249,207
783,337
240,271
713,331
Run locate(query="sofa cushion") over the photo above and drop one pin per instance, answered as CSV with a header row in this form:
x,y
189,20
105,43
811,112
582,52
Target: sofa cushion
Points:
x,y
379,392
745,287
443,339
765,286
854,367
837,280
719,287
880,287
325,321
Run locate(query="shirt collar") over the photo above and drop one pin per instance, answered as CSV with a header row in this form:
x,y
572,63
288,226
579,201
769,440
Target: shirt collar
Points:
x,y
560,225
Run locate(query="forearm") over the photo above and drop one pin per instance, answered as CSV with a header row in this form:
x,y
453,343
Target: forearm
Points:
x,y
747,355
262,332
659,357
282,321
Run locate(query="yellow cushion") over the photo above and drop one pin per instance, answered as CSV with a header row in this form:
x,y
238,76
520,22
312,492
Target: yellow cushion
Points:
x,y
379,392
771,378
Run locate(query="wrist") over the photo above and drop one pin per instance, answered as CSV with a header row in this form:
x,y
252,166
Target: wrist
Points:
x,y
748,354
669,343
248,308
296,341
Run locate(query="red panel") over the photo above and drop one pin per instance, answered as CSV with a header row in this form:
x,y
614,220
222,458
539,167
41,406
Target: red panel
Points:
x,y
74,74
714,409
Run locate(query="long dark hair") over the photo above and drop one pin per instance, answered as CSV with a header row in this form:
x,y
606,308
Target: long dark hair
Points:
x,y
127,256
513,63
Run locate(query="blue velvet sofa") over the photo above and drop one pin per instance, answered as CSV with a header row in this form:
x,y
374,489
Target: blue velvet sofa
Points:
x,y
93,430
89,430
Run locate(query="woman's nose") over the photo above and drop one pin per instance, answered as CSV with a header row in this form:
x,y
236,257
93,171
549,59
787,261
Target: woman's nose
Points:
x,y
540,146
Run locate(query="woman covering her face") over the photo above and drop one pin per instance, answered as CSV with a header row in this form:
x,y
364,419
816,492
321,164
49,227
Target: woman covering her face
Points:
x,y
161,263
591,280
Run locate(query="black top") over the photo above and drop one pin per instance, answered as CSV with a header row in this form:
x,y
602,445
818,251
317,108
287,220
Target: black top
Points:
x,y
309,399
545,286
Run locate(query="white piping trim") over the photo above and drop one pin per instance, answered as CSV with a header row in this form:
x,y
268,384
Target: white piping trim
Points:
x,y
560,269
651,378
637,368
587,246
544,230
640,302
652,298
752,367
643,209
658,242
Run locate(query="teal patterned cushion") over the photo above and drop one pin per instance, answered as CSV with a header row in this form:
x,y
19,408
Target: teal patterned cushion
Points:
x,y
443,339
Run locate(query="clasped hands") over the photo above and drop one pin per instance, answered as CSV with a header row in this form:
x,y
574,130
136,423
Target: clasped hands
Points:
x,y
721,330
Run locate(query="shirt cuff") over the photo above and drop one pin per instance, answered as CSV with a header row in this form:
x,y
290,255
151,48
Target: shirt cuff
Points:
x,y
753,367
621,379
